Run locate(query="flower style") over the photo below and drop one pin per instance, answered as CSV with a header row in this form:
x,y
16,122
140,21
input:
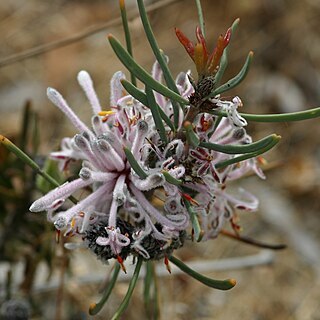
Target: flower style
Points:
x,y
118,217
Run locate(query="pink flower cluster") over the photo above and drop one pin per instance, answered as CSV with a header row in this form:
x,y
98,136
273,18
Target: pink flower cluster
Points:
x,y
120,201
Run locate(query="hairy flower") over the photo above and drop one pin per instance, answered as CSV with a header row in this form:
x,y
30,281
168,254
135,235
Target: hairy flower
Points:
x,y
125,163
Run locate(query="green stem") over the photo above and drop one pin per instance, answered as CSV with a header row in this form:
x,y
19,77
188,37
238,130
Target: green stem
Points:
x,y
25,125
192,137
200,16
217,284
96,307
28,161
127,34
156,311
132,285
147,286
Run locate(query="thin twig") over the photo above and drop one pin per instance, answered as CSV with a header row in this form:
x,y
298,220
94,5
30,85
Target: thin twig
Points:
x,y
77,37
253,242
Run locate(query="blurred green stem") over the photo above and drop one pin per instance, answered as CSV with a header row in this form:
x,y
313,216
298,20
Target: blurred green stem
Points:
x,y
132,285
28,161
96,307
127,34
200,16
217,284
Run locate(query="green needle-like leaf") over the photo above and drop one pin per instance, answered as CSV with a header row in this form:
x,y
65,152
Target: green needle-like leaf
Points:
x,y
124,304
151,300
141,73
96,307
156,115
224,58
135,92
160,58
239,149
283,117
27,114
28,161
147,284
126,33
169,178
198,232
192,137
236,80
134,164
217,284
280,117
142,97
200,16
238,159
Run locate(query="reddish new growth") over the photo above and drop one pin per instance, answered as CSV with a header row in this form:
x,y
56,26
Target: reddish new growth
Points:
x,y
206,63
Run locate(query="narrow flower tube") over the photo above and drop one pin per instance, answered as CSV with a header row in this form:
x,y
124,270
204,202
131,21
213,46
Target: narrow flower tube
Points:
x,y
181,224
98,126
141,133
86,83
63,218
112,156
84,145
59,194
57,99
116,88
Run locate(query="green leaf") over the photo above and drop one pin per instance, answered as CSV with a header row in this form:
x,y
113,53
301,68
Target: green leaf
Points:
x,y
234,81
135,92
156,115
96,307
200,17
279,117
212,283
151,300
198,232
141,73
24,133
284,117
169,178
141,96
239,149
160,58
147,284
224,58
134,164
192,137
125,25
124,304
238,159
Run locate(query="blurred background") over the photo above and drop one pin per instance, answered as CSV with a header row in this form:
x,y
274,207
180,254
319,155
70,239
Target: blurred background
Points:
x,y
284,77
